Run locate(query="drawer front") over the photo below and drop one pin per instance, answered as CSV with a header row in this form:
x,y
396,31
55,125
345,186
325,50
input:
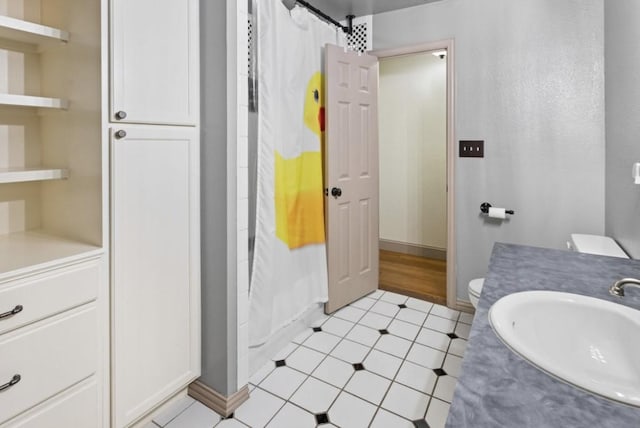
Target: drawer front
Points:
x,y
77,407
49,356
47,294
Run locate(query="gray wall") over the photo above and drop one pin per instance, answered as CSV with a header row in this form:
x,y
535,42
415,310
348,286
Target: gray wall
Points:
x,y
530,82
622,54
219,325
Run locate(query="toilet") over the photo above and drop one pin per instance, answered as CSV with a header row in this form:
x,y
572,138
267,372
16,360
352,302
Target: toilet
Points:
x,y
588,244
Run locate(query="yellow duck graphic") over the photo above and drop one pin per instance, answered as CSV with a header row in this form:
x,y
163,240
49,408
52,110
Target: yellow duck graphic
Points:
x,y
299,203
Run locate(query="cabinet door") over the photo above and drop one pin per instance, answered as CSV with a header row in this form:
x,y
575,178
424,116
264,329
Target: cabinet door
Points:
x,y
155,266
154,61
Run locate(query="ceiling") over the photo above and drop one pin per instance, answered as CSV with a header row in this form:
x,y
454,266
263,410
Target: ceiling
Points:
x,y
338,9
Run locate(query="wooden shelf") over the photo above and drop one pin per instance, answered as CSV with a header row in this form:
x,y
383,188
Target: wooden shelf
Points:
x,y
30,32
36,250
30,101
20,175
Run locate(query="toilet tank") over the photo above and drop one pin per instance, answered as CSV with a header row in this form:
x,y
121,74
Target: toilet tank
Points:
x,y
596,244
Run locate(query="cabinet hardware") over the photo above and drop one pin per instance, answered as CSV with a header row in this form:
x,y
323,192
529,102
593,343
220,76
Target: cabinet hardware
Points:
x,y
12,312
16,378
121,115
120,134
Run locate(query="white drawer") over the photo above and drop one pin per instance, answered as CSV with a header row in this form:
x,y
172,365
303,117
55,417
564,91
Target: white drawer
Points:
x,y
50,356
77,407
47,294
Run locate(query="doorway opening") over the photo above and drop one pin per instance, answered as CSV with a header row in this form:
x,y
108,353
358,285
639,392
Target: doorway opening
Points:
x,y
416,146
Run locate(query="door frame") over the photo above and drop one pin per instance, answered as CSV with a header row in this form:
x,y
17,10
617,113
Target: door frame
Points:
x,y
448,44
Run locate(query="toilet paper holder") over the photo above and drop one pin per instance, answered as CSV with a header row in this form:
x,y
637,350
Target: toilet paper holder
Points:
x,y
484,208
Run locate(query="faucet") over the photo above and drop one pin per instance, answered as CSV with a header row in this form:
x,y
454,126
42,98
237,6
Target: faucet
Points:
x,y
617,289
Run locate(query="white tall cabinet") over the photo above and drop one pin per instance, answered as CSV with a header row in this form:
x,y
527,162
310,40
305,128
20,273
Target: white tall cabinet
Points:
x,y
155,227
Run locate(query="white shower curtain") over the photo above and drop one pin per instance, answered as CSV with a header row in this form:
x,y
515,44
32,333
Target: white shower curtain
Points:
x,y
289,265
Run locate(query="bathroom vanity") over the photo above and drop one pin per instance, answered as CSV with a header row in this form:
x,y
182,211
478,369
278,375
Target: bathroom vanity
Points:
x,y
497,388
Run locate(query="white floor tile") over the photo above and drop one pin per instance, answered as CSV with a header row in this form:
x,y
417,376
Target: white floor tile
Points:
x,y
351,352
320,320
173,410
195,416
452,365
445,387
376,294
425,356
385,308
285,352
352,412
442,325
434,339
264,371
231,423
437,413
375,321
444,312
315,396
363,335
304,335
395,298
383,364
406,402
393,345
351,313
305,359
321,341
466,318
368,386
458,347
258,409
283,381
411,315
463,330
416,377
403,329
384,419
334,371
419,305
337,326
365,303
291,416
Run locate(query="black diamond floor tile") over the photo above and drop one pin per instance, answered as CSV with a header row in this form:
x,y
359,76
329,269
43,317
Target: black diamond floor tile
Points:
x,y
402,306
317,329
421,424
384,331
439,372
322,418
452,335
281,363
358,366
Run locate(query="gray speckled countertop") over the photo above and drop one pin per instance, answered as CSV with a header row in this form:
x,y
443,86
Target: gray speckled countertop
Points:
x,y
499,389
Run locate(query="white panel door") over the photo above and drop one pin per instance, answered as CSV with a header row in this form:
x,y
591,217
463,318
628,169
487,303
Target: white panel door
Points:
x,y
351,175
154,61
155,266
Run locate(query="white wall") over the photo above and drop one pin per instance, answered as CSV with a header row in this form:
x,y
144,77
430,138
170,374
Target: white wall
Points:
x,y
530,82
622,57
413,143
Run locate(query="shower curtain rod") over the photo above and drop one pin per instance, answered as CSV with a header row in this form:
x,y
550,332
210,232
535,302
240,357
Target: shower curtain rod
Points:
x,y
346,28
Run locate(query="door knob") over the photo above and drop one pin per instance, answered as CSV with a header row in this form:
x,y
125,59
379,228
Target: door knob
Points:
x,y
121,115
336,192
120,134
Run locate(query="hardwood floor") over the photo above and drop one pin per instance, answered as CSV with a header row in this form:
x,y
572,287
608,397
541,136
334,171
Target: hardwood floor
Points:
x,y
414,276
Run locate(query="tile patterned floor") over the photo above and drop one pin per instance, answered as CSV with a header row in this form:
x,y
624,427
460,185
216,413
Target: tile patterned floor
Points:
x,y
384,361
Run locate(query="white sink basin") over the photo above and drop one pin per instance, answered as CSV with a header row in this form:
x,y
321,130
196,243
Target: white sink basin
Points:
x,y
589,343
